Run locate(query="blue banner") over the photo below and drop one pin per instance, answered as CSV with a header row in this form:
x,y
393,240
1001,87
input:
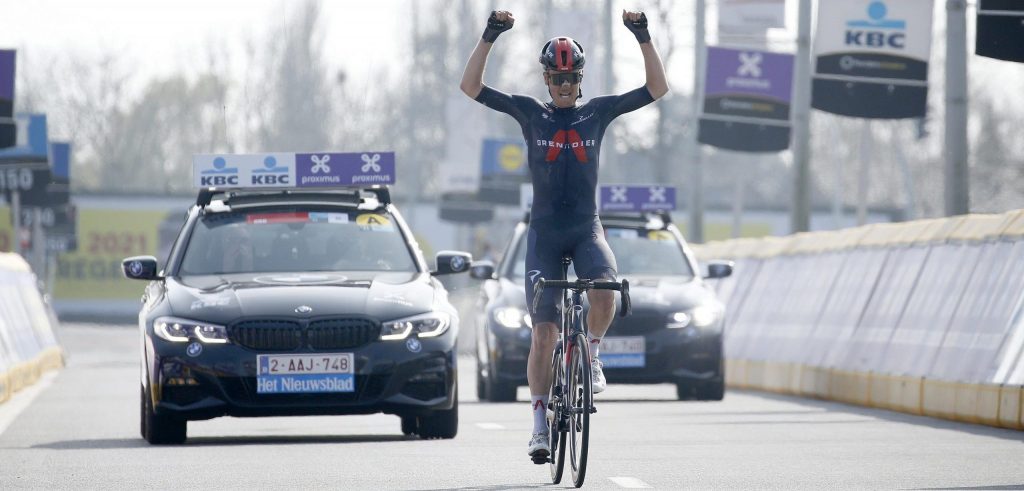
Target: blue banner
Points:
x,y
503,158
60,155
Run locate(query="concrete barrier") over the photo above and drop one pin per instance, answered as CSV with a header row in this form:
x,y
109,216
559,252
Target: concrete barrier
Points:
x,y
1011,399
923,317
5,387
28,344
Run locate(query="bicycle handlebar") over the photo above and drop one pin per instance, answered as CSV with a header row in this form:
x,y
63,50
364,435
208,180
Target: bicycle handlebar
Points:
x,y
583,285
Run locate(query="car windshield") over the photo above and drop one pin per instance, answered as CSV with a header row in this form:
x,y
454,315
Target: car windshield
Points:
x,y
637,252
296,240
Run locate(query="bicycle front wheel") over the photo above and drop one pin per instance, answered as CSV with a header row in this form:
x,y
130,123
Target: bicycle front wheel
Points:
x,y
579,402
555,417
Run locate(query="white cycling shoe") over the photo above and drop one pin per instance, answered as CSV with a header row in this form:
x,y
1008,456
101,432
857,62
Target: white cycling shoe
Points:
x,y
540,448
597,376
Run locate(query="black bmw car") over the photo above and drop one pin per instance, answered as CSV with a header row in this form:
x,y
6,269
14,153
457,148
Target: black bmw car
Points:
x,y
295,302
674,334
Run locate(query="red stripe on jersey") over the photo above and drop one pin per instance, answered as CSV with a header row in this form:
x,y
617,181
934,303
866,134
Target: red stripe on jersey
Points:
x,y
557,142
577,146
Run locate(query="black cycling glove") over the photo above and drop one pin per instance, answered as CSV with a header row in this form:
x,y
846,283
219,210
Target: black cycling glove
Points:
x,y
495,27
639,28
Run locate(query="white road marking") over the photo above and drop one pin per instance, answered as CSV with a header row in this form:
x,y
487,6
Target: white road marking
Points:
x,y
630,483
22,399
490,426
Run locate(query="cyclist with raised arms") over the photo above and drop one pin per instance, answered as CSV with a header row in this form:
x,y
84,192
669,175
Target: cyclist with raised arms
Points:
x,y
563,139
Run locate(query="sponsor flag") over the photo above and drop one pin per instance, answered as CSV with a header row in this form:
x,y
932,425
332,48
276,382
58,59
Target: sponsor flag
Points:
x,y
271,170
636,198
293,170
871,58
1001,30
345,169
747,97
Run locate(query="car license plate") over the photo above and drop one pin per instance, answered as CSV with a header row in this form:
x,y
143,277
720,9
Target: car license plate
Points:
x,y
296,374
623,352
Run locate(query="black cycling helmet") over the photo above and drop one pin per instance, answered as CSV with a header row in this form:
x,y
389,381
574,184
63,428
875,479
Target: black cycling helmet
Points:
x,y
562,54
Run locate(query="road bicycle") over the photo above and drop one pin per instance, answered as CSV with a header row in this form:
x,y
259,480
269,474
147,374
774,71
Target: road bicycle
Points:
x,y
571,395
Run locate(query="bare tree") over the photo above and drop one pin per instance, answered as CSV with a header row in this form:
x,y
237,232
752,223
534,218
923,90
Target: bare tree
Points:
x,y
157,136
81,111
298,88
998,167
652,153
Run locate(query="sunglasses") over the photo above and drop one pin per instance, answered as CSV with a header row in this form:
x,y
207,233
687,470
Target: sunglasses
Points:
x,y
561,78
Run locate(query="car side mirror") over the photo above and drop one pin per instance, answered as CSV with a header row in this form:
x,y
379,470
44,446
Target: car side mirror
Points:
x,y
452,262
140,268
719,269
482,270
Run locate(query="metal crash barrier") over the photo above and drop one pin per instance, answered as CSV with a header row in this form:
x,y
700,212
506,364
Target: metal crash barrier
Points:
x,y
28,346
924,317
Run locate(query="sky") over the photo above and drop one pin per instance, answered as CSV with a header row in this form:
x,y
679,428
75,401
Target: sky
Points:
x,y
160,37
163,37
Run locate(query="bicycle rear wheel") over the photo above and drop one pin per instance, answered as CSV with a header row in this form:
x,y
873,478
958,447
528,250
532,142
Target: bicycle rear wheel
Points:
x,y
578,403
555,412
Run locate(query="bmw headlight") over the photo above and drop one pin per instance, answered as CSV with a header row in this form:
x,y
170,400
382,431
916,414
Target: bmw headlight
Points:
x,y
512,317
678,320
700,316
704,316
425,326
178,330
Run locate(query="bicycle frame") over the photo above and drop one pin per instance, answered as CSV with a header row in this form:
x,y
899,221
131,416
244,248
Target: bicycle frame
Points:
x,y
572,323
571,393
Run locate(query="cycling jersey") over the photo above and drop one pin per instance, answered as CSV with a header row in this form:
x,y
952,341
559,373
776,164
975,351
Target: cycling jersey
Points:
x,y
563,146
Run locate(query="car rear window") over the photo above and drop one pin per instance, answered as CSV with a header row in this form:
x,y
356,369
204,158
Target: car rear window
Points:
x,y
647,252
637,252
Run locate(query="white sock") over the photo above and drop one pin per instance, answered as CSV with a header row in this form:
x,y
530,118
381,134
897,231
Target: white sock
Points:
x,y
595,343
539,404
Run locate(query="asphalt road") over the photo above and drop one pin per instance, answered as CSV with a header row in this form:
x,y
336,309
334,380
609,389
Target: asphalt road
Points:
x,y
79,429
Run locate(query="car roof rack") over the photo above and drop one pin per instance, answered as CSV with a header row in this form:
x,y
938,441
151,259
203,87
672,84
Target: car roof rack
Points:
x,y
642,217
350,195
